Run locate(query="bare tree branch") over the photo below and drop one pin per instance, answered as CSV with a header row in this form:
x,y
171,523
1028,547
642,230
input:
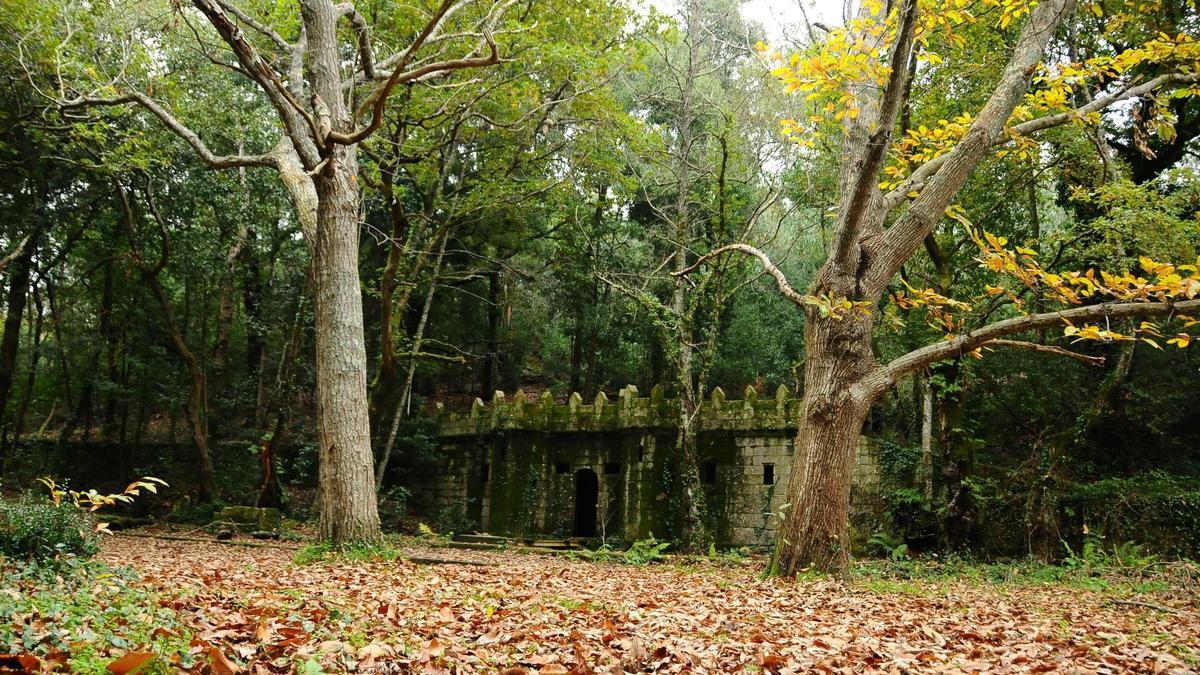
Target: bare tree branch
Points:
x,y
1100,103
16,252
865,182
1046,349
255,25
972,340
378,98
300,126
358,24
903,238
207,156
770,268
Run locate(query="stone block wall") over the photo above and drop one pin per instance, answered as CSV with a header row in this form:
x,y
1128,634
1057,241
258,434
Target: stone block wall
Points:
x,y
605,469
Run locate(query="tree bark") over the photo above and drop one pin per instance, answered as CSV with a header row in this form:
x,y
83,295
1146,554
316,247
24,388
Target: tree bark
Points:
x,y
489,376
694,531
270,489
816,523
347,496
348,512
35,357
252,287
111,348
18,289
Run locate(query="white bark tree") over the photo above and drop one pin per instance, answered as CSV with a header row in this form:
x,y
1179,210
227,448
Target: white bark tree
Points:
x,y
325,107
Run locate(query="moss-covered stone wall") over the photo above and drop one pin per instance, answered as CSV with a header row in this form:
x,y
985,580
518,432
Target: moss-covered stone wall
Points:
x,y
526,468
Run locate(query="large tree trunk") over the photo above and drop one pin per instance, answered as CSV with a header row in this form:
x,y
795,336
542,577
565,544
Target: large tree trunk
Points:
x,y
346,487
816,524
694,531
348,509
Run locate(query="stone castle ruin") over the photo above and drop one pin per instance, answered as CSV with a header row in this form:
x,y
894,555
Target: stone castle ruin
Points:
x,y
535,468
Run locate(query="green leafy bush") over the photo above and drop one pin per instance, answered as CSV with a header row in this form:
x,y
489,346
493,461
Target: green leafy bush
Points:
x,y
641,552
88,613
646,551
1156,509
393,508
455,518
360,552
196,513
40,530
889,546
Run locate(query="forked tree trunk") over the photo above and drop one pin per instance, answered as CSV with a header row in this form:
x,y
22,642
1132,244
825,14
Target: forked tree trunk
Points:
x,y
816,523
347,500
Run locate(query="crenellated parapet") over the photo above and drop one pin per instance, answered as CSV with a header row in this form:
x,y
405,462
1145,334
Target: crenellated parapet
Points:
x,y
629,412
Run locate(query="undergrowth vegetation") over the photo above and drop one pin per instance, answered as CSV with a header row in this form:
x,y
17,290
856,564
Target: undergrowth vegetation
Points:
x,y
1122,570
39,529
361,552
80,615
640,552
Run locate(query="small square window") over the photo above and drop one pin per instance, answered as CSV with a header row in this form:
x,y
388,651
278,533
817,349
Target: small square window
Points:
x,y
612,468
562,467
768,474
708,473
485,471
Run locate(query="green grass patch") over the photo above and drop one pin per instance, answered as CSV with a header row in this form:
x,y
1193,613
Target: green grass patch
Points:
x,y
363,552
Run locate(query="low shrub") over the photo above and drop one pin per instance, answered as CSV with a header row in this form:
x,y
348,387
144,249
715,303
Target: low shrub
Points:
x,y
37,529
361,552
455,518
1158,510
196,513
80,615
393,509
640,552
646,551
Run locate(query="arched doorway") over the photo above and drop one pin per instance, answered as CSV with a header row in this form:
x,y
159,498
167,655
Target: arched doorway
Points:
x,y
587,494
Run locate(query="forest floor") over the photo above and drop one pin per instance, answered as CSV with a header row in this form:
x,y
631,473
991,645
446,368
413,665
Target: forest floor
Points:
x,y
224,608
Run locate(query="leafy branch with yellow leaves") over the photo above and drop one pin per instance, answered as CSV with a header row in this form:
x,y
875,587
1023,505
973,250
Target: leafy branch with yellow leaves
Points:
x,y
92,500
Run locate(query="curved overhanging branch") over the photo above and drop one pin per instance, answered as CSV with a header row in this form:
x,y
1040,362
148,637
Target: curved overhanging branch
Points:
x,y
990,334
1046,349
207,156
768,266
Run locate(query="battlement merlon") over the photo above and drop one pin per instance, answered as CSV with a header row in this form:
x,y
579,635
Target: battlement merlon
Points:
x,y
630,411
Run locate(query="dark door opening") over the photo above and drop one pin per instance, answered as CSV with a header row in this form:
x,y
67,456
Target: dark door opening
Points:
x,y
587,494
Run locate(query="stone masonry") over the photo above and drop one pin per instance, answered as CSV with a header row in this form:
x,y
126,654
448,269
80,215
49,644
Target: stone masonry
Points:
x,y
539,469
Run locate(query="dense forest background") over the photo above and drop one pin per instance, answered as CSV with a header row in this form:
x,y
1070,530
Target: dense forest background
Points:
x,y
519,227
